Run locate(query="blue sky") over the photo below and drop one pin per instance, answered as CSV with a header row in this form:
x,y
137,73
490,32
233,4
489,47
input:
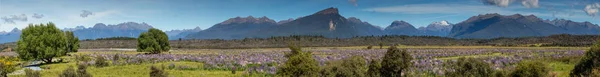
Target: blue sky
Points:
x,y
186,14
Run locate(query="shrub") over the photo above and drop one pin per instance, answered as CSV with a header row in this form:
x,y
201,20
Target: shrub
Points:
x,y
69,72
469,67
32,73
354,66
82,59
394,62
41,42
530,69
100,62
370,47
591,59
7,65
374,67
156,72
82,71
154,41
299,64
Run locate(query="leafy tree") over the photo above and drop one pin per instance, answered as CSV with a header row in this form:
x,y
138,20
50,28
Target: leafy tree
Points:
x,y
394,62
374,67
72,42
354,66
154,41
469,67
299,64
530,69
41,42
591,59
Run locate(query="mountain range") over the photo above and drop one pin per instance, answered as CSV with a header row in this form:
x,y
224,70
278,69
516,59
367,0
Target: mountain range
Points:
x,y
330,23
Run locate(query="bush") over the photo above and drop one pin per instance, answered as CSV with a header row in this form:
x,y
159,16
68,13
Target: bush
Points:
x,y
469,67
299,64
354,66
531,69
69,72
41,42
82,71
156,72
394,62
7,65
100,61
591,59
374,67
82,59
370,47
595,72
154,41
32,73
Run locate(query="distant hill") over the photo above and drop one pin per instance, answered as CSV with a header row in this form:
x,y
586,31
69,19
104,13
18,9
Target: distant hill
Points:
x,y
100,30
578,28
401,28
441,28
176,34
234,28
496,25
11,36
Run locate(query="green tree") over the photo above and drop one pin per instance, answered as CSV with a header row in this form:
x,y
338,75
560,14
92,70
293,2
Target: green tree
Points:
x,y
354,66
299,64
72,42
394,62
469,67
154,41
41,42
531,69
374,67
591,59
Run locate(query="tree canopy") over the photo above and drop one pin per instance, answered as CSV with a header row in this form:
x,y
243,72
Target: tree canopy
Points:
x,y
153,41
41,42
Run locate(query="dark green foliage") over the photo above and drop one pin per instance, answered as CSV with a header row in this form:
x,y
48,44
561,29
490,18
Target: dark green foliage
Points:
x,y
154,41
591,59
69,72
354,66
299,64
100,62
394,62
32,73
370,47
374,68
157,72
41,42
117,38
531,69
72,42
380,45
469,67
82,71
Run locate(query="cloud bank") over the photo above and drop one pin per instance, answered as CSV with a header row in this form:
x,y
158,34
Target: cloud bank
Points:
x,y
592,9
85,13
37,16
12,18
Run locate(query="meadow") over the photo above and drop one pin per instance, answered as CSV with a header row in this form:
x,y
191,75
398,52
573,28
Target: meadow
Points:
x,y
428,60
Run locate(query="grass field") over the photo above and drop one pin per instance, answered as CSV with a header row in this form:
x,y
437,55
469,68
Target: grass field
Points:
x,y
217,62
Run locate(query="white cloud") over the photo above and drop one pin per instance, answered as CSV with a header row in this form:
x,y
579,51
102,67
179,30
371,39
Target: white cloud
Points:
x,y
85,13
531,3
592,9
37,16
501,3
12,18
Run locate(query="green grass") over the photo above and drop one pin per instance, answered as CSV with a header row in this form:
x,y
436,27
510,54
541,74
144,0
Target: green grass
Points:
x,y
141,70
561,69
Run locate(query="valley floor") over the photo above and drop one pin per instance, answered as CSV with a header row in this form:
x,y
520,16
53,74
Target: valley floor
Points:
x,y
429,60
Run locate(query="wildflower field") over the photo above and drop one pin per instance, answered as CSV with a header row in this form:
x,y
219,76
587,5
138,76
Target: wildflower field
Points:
x,y
428,60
